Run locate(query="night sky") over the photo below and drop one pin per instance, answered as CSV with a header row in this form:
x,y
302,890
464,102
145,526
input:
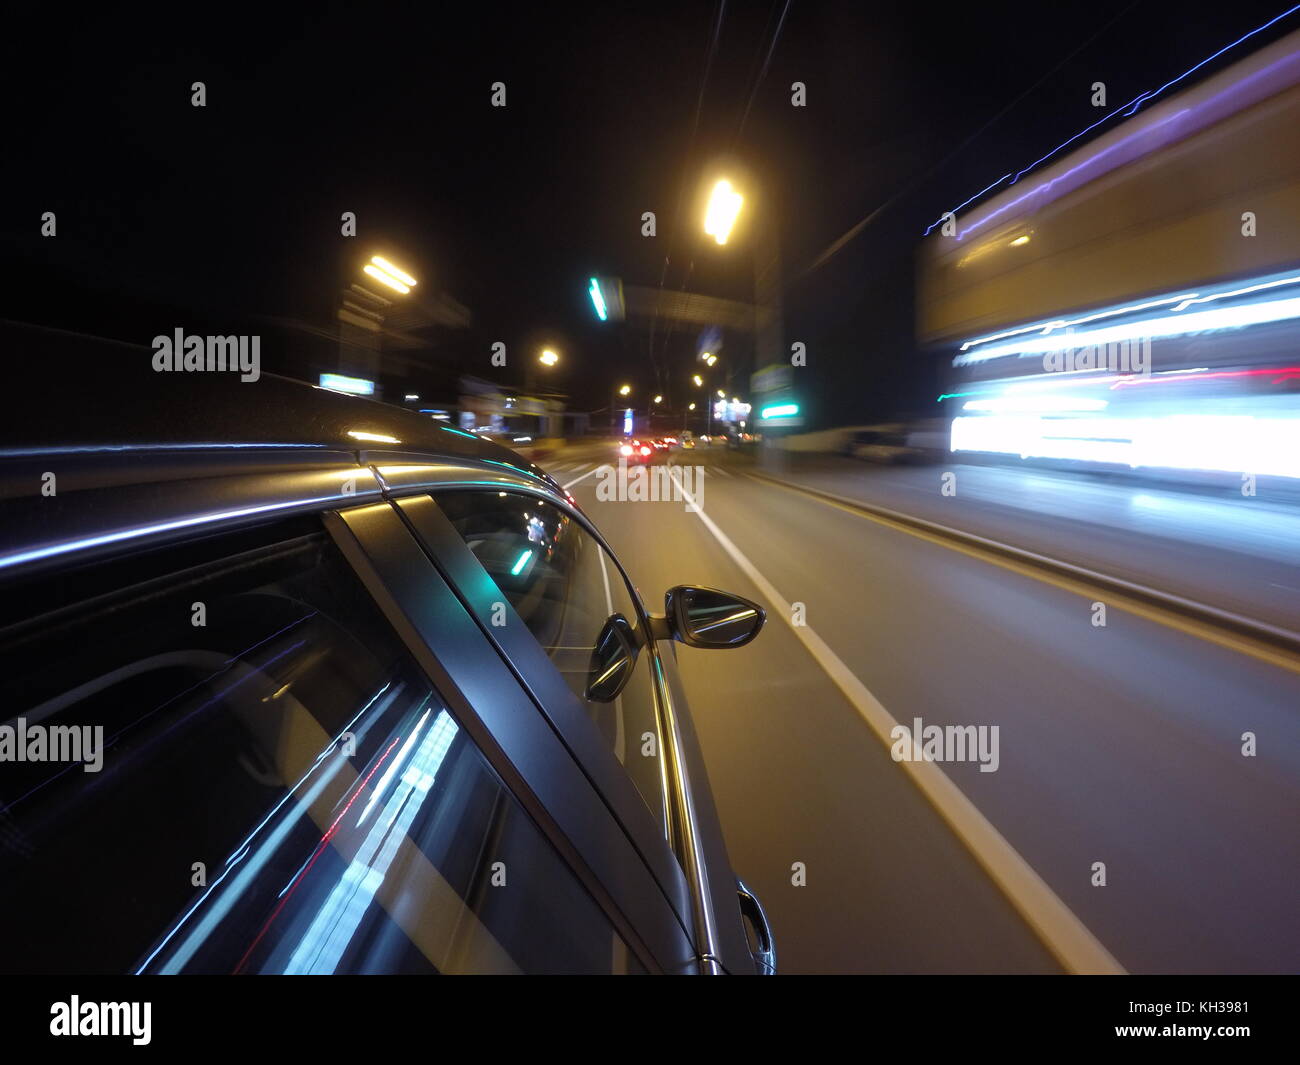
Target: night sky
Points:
x,y
229,215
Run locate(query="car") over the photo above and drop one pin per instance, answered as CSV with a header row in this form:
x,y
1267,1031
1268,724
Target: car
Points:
x,y
637,452
688,440
895,444
309,684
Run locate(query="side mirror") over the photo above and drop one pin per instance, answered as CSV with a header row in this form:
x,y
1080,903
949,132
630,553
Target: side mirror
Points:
x,y
613,660
706,617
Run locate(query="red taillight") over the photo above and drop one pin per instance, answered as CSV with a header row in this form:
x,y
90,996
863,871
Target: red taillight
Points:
x,y
645,450
626,449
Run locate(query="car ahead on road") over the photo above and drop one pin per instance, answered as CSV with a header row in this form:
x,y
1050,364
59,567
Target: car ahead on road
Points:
x,y
638,452
302,683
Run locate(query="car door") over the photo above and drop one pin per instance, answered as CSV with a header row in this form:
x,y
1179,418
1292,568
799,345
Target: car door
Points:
x,y
542,585
296,753
509,724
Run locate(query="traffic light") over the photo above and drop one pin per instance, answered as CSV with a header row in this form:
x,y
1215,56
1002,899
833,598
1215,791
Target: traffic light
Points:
x,y
607,298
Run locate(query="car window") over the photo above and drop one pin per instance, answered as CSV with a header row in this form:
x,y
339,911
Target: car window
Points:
x,y
565,588
276,788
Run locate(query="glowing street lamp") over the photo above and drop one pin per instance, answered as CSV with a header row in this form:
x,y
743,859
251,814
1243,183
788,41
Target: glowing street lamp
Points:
x,y
699,381
626,390
548,358
691,407
387,274
659,399
724,207
721,394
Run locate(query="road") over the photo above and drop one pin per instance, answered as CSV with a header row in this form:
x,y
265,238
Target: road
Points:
x,y
1120,744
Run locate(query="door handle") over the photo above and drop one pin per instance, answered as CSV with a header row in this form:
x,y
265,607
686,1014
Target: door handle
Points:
x,y
751,908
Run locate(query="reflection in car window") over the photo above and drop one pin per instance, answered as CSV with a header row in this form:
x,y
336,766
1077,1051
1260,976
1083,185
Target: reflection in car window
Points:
x,y
565,588
277,794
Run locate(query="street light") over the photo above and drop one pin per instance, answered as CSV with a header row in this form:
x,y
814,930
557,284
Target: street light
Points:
x,y
548,358
691,407
387,274
710,359
699,381
724,206
659,399
721,394
625,390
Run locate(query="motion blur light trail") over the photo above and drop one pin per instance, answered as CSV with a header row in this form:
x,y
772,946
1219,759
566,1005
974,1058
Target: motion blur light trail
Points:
x,y
1213,411
1126,111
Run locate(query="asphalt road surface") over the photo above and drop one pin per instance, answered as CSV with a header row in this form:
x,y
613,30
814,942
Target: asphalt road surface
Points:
x,y
1119,744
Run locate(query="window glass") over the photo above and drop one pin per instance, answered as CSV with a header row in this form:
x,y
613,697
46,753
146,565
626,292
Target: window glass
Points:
x,y
565,588
267,784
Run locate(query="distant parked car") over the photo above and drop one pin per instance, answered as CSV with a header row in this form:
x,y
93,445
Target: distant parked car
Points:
x,y
894,443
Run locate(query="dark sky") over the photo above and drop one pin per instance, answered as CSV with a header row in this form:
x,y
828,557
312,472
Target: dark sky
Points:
x,y
232,211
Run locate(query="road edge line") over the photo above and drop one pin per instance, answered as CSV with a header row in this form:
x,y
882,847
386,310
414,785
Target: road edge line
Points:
x,y
1056,925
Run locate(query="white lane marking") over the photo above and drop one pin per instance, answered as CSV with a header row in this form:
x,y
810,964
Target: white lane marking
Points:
x,y
566,487
719,471
1077,949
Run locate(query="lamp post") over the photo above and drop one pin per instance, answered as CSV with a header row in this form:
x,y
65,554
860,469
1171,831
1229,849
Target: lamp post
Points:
x,y
623,391
724,208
